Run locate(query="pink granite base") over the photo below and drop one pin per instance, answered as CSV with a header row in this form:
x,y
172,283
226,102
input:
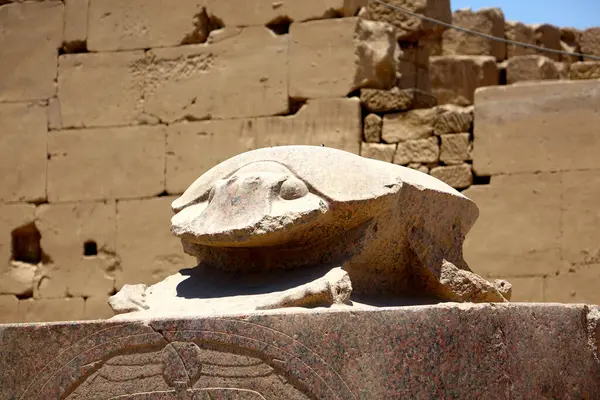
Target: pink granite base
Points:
x,y
514,351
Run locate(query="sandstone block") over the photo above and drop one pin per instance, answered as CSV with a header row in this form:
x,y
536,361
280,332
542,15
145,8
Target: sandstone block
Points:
x,y
518,32
569,41
106,163
455,78
580,218
520,235
590,41
487,20
455,149
100,89
23,151
372,128
267,12
331,58
530,68
577,286
453,119
406,74
31,35
418,151
411,27
80,240
330,122
141,24
419,167
563,69
409,125
527,290
97,308
536,127
50,310
76,24
378,151
18,278
584,70
395,99
548,36
9,312
53,114
143,225
457,176
243,75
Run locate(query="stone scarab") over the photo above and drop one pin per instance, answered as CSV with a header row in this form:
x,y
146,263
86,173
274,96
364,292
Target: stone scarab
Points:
x,y
394,230
306,226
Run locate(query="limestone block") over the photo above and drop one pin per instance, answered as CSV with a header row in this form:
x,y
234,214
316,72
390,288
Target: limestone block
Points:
x,y
577,286
410,27
581,220
330,122
455,148
100,89
423,80
9,312
106,163
530,68
76,24
31,35
406,74
378,151
520,234
453,119
266,12
418,151
486,20
12,216
518,32
542,126
143,225
584,70
80,240
49,310
23,150
395,99
505,341
141,24
457,176
97,308
372,128
455,78
548,36
243,75
409,125
331,58
590,41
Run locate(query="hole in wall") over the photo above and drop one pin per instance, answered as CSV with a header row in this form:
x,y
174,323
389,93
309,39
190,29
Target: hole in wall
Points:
x,y
26,244
295,105
90,248
481,180
73,47
502,76
280,25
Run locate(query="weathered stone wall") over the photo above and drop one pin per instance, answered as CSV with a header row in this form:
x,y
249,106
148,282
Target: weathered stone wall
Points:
x,y
109,109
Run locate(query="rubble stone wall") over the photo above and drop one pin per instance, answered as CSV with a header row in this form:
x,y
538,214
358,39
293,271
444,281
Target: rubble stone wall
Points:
x,y
109,109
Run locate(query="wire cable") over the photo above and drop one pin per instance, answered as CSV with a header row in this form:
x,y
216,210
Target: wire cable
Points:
x,y
485,35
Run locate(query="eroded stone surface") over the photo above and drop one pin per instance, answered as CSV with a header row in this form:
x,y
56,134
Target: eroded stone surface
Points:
x,y
530,68
299,356
251,216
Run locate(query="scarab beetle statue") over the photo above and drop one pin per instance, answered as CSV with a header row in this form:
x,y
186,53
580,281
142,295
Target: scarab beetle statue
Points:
x,y
369,227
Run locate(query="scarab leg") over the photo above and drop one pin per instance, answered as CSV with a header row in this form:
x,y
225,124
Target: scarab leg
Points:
x,y
445,279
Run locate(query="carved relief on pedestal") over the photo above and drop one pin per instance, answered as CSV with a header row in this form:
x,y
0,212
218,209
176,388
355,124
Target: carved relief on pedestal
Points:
x,y
197,359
